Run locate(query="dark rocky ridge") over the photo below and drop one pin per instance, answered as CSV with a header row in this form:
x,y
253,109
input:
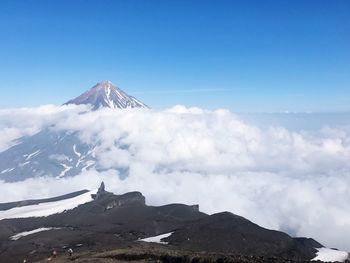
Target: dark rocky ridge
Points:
x,y
117,221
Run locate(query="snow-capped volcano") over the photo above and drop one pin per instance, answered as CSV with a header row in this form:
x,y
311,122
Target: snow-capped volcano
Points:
x,y
105,94
61,153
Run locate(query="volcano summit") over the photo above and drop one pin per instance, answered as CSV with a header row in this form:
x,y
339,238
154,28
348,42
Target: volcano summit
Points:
x,y
105,94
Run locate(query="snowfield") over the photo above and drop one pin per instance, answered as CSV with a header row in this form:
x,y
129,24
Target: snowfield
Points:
x,y
157,239
46,209
331,255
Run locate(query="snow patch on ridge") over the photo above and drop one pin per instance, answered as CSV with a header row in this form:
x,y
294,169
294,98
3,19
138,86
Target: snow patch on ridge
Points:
x,y
330,255
31,232
46,209
157,239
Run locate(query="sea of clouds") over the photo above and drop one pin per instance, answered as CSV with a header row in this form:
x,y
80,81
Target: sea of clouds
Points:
x,y
294,181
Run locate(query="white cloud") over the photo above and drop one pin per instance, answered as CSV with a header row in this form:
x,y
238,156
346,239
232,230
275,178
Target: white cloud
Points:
x,y
15,123
281,179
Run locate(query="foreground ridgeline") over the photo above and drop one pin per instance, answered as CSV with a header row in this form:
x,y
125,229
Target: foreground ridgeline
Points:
x,y
103,227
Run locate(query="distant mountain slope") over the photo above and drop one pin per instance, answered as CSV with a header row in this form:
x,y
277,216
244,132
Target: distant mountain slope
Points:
x,y
106,221
105,94
47,153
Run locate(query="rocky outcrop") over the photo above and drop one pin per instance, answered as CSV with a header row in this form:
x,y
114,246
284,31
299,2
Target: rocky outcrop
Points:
x,y
110,200
100,192
129,199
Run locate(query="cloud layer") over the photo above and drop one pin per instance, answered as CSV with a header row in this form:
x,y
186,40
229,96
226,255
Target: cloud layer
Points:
x,y
281,179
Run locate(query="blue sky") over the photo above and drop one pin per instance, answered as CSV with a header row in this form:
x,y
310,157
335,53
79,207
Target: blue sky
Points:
x,y
247,56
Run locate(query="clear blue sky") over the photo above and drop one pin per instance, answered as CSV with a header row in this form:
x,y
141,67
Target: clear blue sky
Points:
x,y
250,56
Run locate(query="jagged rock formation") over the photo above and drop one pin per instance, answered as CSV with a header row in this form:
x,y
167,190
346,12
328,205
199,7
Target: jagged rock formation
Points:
x,y
100,192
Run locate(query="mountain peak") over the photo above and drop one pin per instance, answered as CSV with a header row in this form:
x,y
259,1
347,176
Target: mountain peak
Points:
x,y
104,84
106,94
